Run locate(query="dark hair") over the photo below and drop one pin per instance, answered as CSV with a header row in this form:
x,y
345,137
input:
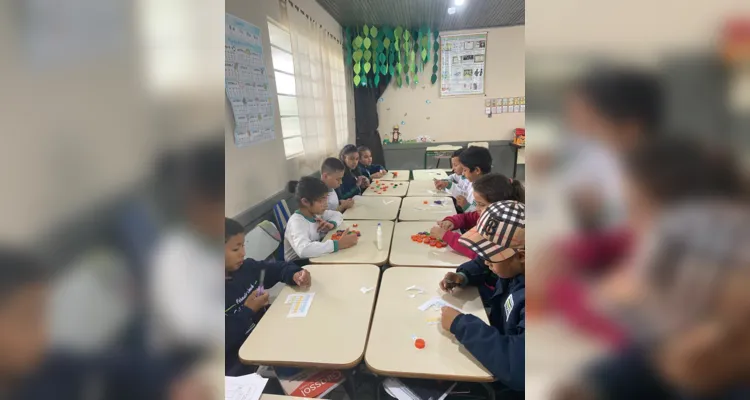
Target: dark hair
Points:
x,y
624,95
331,165
476,157
457,152
498,187
232,228
205,171
18,268
362,149
348,149
308,188
672,170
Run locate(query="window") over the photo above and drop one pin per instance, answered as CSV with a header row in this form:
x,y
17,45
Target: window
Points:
x,y
286,90
338,86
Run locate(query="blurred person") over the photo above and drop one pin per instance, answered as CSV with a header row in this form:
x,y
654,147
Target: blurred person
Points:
x,y
332,174
184,289
246,297
659,175
692,319
499,242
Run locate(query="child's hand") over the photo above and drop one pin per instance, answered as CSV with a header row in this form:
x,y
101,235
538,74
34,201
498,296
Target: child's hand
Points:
x,y
437,232
256,302
362,182
447,315
348,240
302,278
440,185
447,225
451,280
347,204
461,201
324,226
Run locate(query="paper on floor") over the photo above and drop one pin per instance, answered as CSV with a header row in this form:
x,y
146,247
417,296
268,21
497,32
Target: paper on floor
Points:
x,y
248,387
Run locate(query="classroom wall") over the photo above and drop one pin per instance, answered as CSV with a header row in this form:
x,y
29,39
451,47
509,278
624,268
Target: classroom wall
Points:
x,y
461,118
259,172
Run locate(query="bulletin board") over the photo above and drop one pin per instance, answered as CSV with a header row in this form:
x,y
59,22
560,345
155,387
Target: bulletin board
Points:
x,y
462,59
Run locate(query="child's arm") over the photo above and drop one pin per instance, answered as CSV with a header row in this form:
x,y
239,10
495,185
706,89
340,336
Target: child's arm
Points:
x,y
303,246
451,238
502,355
474,271
463,221
334,217
237,320
276,271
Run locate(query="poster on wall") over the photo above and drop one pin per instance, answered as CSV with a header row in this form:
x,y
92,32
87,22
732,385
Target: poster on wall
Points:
x,y
246,83
462,61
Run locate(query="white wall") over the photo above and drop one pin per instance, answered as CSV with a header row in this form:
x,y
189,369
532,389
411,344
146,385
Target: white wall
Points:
x,y
461,118
258,172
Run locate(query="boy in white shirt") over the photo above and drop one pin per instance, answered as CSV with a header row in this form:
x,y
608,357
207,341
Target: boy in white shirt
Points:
x,y
332,173
311,222
456,184
475,162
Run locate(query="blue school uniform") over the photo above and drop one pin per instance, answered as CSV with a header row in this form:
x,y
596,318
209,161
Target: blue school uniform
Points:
x,y
240,320
372,169
349,187
500,346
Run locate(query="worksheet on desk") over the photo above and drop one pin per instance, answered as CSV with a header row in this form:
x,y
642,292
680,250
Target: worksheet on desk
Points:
x,y
299,304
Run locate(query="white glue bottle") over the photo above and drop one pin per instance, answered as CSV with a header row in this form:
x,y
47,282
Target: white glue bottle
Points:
x,y
380,236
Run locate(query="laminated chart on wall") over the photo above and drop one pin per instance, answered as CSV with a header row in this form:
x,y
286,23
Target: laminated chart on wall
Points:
x,y
246,83
462,62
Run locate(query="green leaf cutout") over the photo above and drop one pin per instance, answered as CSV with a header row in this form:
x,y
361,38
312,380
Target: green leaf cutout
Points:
x,y
357,68
368,55
381,58
357,55
424,54
398,80
367,67
407,80
436,45
374,31
387,43
399,68
425,41
412,56
416,79
367,43
377,77
365,30
398,32
434,68
433,79
356,80
391,70
358,42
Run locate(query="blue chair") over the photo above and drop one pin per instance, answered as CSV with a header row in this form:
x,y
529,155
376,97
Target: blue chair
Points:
x,y
282,214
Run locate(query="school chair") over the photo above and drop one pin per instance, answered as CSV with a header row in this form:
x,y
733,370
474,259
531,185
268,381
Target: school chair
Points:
x,y
281,212
479,144
444,151
262,241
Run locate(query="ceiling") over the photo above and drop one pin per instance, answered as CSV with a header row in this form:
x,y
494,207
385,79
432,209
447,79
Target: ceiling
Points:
x,y
432,13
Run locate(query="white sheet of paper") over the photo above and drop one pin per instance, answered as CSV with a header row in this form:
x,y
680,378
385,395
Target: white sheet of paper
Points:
x,y
365,290
248,387
300,304
437,302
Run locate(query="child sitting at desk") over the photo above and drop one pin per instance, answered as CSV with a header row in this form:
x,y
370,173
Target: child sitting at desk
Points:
x,y
245,299
475,162
368,169
456,184
310,223
353,181
488,189
331,173
499,241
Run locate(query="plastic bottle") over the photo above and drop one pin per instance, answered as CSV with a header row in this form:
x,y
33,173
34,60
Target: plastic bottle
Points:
x,y
380,237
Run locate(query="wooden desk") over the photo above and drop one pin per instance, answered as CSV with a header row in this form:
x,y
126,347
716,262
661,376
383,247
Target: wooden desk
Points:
x,y
414,209
390,349
403,175
393,188
428,174
374,207
333,333
407,253
366,251
425,189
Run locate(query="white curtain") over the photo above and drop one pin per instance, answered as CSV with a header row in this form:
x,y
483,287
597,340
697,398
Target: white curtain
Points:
x,y
317,59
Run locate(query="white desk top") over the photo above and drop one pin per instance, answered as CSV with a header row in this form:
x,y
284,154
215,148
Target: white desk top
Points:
x,y
333,333
390,349
429,174
374,207
403,175
425,189
407,253
443,147
392,188
414,209
366,251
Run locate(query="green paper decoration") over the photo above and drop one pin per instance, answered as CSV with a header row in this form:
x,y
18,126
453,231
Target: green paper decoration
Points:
x,y
384,70
367,43
367,67
356,80
357,55
381,58
368,55
377,77
398,80
357,68
374,31
387,42
365,30
433,79
357,42
424,55
407,79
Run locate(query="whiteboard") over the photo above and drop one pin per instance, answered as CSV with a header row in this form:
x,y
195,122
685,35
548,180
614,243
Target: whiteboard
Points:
x,y
462,58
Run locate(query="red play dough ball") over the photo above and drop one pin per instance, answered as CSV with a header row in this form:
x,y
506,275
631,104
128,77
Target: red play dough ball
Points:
x,y
419,343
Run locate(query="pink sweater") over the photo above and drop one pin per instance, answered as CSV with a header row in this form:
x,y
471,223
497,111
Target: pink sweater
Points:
x,y
461,221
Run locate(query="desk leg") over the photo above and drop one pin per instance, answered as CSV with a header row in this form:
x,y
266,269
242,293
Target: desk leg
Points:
x,y
515,162
349,386
490,391
437,164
